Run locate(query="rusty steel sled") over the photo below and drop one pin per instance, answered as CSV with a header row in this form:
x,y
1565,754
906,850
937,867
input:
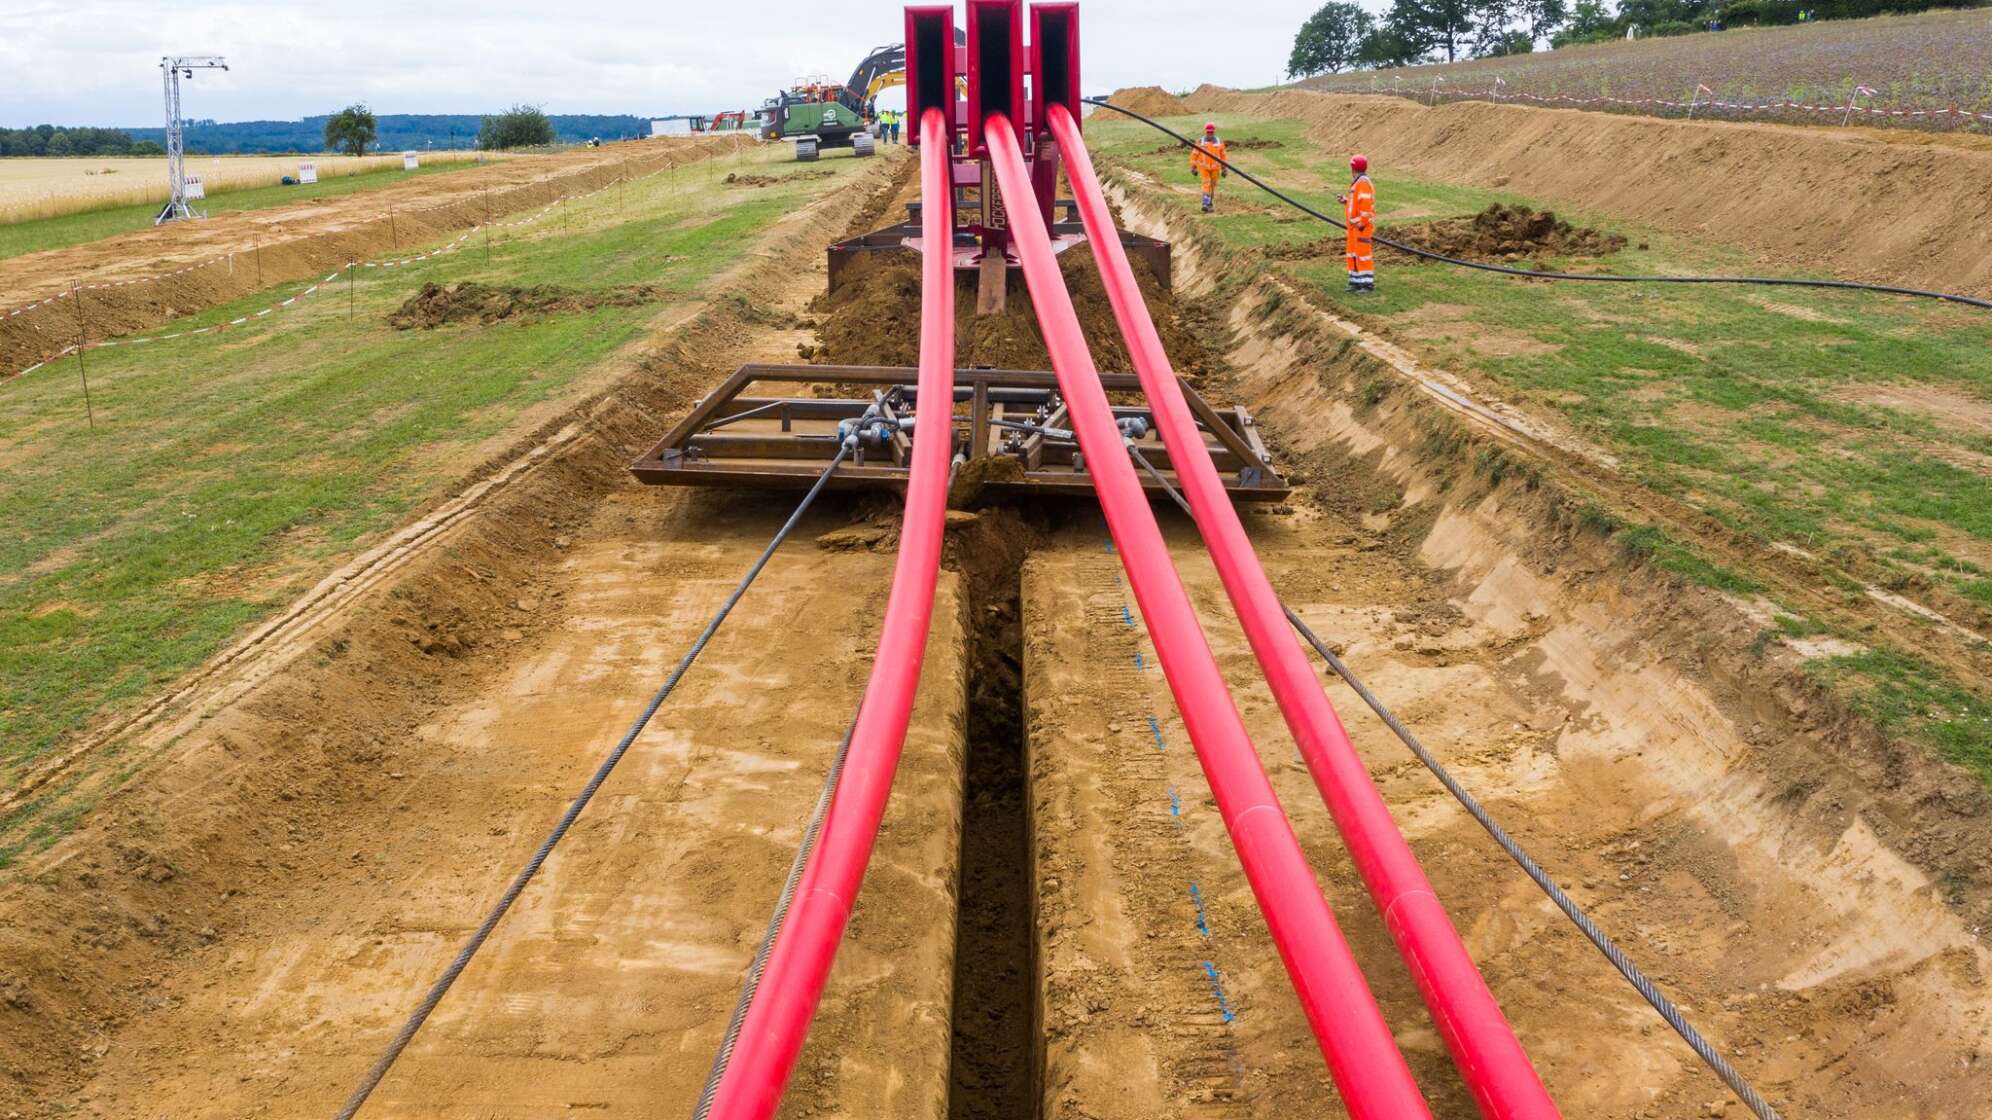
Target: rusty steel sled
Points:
x,y
1013,418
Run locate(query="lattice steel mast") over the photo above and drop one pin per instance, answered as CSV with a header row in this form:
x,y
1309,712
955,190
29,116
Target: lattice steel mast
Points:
x,y
174,67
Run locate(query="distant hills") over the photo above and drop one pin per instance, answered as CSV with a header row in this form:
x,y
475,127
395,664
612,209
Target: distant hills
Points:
x,y
398,131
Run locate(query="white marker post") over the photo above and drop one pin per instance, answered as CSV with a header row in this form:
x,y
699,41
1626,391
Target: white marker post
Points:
x,y
1699,90
1859,91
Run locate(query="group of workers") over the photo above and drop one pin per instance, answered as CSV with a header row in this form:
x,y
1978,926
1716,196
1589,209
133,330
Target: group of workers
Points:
x,y
888,122
1209,160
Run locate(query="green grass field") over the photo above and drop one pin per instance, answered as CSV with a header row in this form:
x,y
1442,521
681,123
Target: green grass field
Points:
x,y
1834,422
226,473
20,238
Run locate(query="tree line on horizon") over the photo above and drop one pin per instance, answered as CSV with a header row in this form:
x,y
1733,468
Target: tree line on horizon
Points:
x,y
1344,36
49,140
307,136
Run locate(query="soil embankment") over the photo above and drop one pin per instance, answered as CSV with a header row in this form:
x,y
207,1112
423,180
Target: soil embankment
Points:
x,y
1858,204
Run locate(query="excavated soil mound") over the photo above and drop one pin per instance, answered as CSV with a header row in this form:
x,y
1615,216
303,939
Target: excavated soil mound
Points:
x,y
470,301
1506,233
1149,101
873,319
735,179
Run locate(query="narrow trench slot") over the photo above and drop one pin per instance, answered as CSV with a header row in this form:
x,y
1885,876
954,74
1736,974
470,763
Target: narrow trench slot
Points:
x,y
993,1059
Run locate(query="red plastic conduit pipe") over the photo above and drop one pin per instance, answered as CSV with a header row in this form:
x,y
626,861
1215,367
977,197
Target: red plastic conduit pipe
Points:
x,y
1491,1060
778,1021
1376,1084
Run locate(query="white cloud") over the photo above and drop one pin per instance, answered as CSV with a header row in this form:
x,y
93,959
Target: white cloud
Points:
x,y
96,61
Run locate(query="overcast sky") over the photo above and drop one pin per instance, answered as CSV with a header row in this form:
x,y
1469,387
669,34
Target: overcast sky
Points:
x,y
95,62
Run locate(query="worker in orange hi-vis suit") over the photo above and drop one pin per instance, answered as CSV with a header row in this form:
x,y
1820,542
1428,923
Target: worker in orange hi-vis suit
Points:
x,y
1359,207
1204,161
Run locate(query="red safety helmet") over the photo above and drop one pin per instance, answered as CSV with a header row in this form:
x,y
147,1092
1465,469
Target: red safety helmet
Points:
x,y
1359,163
1210,129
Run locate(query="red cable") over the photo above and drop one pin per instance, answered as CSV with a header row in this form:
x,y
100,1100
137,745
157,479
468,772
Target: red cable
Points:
x,y
1490,1058
778,1021
1376,1084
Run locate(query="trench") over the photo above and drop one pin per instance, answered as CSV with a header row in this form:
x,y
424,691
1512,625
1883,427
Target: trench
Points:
x,y
993,1064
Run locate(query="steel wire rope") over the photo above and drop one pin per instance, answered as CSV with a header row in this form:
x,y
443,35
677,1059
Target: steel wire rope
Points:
x,y
441,987
1506,270
1596,936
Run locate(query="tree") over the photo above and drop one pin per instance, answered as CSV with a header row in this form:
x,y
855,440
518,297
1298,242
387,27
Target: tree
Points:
x,y
351,129
1589,20
1384,47
1429,25
60,145
521,126
1542,18
1331,40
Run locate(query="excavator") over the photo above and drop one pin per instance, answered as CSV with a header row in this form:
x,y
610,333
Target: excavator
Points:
x,y
820,113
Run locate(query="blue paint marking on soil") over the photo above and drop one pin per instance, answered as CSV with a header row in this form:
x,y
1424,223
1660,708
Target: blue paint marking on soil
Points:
x,y
1217,989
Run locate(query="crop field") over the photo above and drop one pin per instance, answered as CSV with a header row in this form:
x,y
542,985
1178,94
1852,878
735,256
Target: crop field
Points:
x,y
41,234
34,188
1837,424
1929,61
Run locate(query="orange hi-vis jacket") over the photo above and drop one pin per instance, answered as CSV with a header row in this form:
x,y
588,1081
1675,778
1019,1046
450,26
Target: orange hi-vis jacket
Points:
x,y
1208,169
1361,214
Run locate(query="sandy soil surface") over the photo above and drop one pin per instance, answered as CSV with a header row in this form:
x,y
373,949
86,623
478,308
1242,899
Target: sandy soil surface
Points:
x,y
607,989
139,279
1862,204
1615,769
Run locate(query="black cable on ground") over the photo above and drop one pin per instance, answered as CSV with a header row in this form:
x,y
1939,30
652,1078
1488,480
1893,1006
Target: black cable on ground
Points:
x,y
1506,270
1597,937
443,983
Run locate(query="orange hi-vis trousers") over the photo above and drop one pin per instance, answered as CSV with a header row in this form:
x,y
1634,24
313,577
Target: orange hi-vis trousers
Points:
x,y
1360,212
1208,170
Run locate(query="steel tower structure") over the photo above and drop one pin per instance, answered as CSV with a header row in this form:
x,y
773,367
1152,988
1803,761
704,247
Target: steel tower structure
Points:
x,y
175,67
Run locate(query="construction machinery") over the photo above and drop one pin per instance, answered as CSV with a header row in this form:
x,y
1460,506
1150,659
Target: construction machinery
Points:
x,y
761,428
990,165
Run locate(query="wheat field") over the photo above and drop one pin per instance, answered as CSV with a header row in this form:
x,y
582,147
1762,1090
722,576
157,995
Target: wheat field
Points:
x,y
49,187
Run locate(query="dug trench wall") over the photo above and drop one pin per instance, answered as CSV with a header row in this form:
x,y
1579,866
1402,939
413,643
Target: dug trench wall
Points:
x,y
1858,204
1814,893
112,287
283,856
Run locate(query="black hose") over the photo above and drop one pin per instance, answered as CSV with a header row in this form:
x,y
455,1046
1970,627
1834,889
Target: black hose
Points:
x,y
1506,270
1597,937
443,983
